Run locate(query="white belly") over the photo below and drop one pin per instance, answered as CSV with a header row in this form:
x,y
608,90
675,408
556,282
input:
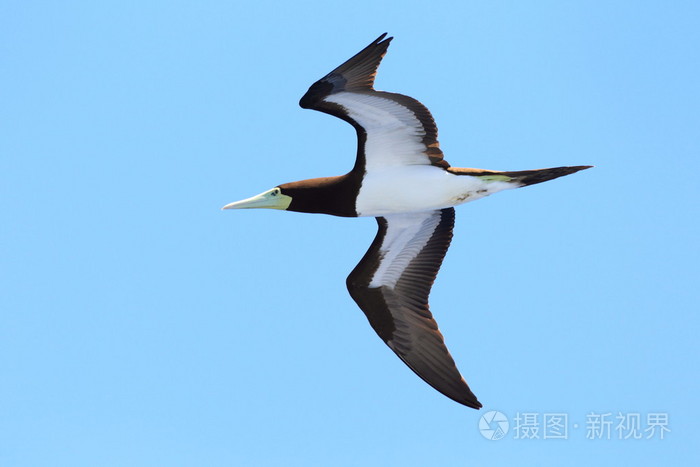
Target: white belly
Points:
x,y
417,188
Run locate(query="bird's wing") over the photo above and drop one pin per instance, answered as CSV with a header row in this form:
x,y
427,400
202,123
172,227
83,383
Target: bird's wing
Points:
x,y
391,285
392,129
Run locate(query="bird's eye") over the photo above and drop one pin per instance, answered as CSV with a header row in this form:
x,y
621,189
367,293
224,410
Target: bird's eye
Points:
x,y
274,193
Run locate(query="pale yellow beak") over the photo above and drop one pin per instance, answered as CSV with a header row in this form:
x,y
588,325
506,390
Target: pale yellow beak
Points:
x,y
271,199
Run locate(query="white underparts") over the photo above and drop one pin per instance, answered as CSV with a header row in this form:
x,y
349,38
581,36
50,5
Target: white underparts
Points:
x,y
419,188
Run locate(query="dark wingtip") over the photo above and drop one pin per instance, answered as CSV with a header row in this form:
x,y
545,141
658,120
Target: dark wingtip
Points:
x,y
382,36
356,73
359,71
468,398
472,403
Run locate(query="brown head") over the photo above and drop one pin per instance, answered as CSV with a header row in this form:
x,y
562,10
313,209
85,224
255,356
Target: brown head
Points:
x,y
327,195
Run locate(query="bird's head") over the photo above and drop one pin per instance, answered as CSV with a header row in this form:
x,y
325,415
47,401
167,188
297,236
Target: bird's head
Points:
x,y
327,195
274,198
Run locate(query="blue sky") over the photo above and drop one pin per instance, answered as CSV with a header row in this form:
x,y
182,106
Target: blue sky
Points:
x,y
141,325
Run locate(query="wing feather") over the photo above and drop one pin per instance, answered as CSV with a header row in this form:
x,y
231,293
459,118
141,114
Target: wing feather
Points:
x,y
392,129
391,285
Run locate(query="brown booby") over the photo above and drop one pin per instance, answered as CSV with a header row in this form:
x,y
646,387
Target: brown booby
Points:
x,y
401,178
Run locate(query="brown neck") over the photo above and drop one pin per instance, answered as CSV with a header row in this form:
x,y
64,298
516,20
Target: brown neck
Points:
x,y
326,195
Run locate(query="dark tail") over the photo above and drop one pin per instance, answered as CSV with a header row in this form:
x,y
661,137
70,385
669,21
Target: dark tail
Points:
x,y
524,177
531,177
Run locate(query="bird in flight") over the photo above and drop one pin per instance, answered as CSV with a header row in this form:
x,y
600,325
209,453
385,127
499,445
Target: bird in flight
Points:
x,y
401,178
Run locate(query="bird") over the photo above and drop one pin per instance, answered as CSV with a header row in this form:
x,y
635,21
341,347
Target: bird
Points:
x,y
401,178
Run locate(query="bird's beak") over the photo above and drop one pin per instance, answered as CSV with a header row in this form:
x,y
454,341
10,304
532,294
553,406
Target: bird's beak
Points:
x,y
271,199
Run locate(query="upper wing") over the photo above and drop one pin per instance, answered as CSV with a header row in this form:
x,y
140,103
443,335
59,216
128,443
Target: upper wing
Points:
x,y
392,129
391,285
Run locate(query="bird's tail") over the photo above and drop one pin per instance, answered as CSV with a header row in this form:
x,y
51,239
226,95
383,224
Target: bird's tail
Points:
x,y
521,177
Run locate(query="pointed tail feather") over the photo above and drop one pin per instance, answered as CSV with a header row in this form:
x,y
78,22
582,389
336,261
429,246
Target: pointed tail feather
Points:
x,y
532,177
522,177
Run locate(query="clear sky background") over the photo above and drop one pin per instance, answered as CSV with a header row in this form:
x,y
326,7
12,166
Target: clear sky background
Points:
x,y
141,325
